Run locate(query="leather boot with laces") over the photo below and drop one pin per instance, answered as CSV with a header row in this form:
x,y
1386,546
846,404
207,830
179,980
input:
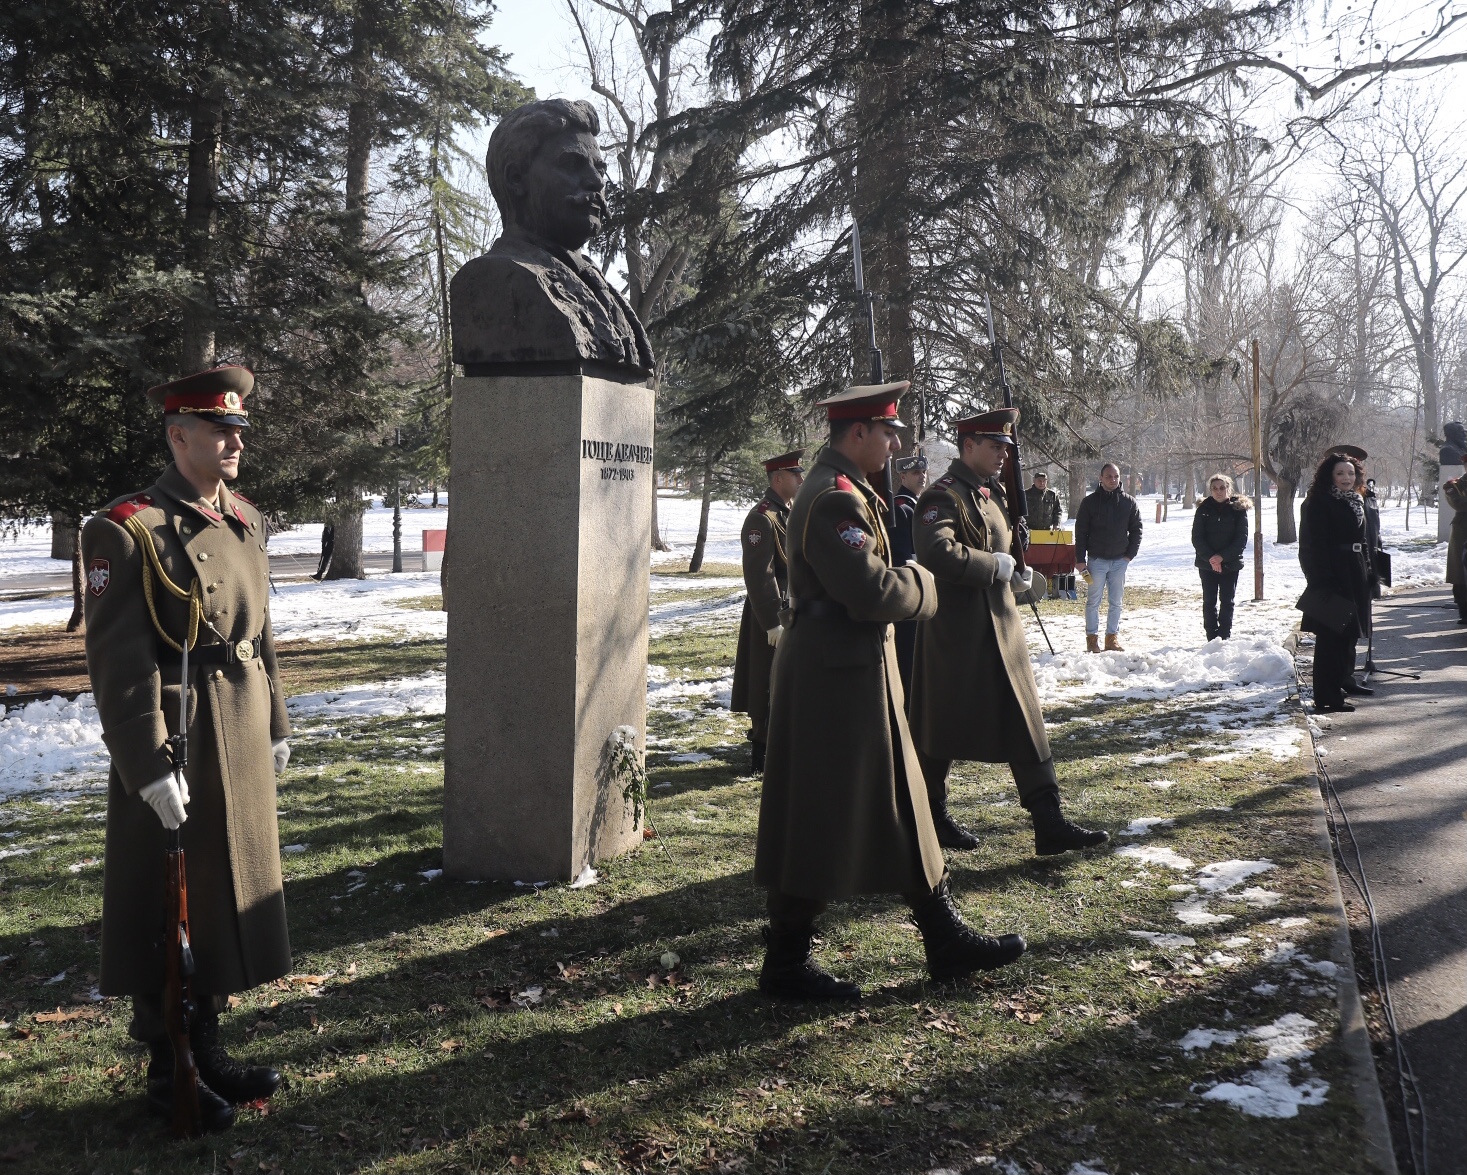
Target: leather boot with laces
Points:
x,y
955,949
226,1076
216,1113
789,971
1053,833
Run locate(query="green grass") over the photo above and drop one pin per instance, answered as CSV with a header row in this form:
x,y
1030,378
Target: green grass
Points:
x,y
410,1045
707,571
308,666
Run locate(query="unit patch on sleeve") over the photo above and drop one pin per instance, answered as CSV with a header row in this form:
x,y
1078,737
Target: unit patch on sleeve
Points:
x,y
99,575
929,516
851,534
754,537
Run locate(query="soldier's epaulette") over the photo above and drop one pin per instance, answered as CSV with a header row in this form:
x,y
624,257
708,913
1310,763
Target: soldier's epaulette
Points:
x,y
121,512
762,507
943,482
842,482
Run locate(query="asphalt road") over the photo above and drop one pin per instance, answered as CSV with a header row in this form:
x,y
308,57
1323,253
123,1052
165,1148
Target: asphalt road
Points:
x,y
1399,764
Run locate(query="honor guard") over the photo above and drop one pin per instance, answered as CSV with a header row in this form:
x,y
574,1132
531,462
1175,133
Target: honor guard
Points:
x,y
911,481
843,811
183,564
766,580
973,691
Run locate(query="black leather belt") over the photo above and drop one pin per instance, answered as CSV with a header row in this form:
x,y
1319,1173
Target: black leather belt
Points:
x,y
230,653
821,609
1358,548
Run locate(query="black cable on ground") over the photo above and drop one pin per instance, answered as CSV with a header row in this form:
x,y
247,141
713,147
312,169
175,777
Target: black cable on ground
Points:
x,y
1412,1103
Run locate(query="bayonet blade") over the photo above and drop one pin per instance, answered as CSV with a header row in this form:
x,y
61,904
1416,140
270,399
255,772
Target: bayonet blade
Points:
x,y
988,318
856,255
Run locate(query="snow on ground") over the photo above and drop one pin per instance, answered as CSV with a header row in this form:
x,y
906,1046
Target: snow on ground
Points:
x,y
357,609
54,743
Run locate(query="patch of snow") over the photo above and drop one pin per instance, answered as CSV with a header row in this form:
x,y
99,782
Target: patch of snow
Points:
x,y
430,874
379,699
1223,875
1205,1038
1257,897
293,849
55,742
586,878
1156,855
1164,941
1142,825
1288,923
1269,1092
1218,959
1193,911
1265,989
1161,784
690,757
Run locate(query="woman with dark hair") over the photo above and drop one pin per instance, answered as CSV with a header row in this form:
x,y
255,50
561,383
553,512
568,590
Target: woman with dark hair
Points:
x,y
1219,536
1332,553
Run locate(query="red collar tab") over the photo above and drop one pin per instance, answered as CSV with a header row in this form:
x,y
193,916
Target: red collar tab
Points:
x,y
984,490
212,515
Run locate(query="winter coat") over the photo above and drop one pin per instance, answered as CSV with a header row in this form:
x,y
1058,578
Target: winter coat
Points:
x,y
1455,492
1042,508
1107,526
1333,557
766,574
844,808
971,656
1221,528
236,710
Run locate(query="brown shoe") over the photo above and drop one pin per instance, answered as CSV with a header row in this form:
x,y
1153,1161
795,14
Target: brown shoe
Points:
x,y
1113,643
1092,642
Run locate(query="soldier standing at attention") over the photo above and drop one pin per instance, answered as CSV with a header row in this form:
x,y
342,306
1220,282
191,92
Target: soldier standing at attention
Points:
x,y
766,580
843,811
973,691
912,472
185,561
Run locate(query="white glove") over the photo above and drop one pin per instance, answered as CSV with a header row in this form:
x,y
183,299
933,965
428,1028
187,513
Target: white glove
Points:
x,y
281,751
1005,566
1026,581
774,634
167,800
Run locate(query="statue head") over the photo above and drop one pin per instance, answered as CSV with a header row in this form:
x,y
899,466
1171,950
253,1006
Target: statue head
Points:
x,y
546,171
1456,434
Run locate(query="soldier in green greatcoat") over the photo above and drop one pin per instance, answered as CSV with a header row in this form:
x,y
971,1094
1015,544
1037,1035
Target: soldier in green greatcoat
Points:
x,y
766,579
185,561
844,810
973,690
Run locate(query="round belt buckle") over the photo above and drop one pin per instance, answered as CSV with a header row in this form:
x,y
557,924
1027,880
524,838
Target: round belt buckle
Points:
x,y
244,650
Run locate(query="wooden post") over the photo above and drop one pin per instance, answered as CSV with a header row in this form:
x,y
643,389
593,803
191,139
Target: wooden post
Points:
x,y
1257,422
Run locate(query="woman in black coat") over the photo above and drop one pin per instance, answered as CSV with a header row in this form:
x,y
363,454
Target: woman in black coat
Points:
x,y
1335,562
1219,536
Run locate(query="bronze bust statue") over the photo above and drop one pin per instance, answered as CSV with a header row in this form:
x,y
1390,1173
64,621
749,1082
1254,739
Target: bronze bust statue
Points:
x,y
534,298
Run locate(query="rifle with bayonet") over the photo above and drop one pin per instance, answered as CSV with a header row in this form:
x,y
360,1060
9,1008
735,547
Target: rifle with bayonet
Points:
x,y
178,1005
1013,472
888,491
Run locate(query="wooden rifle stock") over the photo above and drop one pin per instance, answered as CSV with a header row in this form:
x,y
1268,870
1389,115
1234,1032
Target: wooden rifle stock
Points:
x,y
178,1007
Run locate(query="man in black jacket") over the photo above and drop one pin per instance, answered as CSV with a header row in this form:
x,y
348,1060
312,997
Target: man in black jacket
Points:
x,y
1219,536
1107,537
1044,504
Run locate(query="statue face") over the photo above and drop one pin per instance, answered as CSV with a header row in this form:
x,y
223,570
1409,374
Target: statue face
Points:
x,y
561,195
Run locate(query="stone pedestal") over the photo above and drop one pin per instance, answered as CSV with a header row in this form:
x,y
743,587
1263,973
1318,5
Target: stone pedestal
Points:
x,y
1444,511
548,539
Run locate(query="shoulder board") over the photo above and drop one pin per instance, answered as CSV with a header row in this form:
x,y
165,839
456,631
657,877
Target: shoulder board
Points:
x,y
842,482
944,481
121,512
762,507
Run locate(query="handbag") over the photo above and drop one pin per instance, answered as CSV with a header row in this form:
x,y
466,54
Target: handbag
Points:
x,y
1332,611
1382,560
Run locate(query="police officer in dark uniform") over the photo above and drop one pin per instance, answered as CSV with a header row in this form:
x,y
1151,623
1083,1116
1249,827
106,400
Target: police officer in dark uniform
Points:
x,y
912,472
766,579
844,810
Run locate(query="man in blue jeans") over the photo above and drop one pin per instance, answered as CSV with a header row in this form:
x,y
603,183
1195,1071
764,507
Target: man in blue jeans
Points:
x,y
1107,537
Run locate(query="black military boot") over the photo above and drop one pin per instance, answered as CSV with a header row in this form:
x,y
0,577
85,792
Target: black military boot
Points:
x,y
226,1076
216,1113
756,755
791,973
1053,833
950,834
955,949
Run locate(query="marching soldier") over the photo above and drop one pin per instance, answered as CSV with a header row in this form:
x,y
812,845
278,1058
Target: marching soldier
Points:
x,y
185,561
766,580
912,472
973,691
843,810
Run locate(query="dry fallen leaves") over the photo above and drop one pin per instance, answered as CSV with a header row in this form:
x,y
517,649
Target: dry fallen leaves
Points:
x,y
65,1017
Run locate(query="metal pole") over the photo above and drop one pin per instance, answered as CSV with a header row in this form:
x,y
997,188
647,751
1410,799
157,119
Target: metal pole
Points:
x,y
1257,422
397,519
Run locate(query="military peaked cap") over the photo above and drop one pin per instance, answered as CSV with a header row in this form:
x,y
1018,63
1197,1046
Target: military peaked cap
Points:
x,y
793,460
871,402
917,464
218,393
998,424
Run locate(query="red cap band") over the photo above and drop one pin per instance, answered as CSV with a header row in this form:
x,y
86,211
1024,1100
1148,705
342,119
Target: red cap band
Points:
x,y
862,410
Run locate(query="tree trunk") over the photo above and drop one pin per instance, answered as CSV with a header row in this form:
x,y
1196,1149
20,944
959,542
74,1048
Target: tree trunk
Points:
x,y
359,139
696,563
346,555
201,218
657,541
1077,486
63,537
78,583
1288,528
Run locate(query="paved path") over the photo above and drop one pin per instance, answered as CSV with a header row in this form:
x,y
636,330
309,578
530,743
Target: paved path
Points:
x,y
1400,765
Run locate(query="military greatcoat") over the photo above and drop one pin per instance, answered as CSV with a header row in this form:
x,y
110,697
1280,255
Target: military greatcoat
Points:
x,y
973,690
766,579
844,808
134,549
